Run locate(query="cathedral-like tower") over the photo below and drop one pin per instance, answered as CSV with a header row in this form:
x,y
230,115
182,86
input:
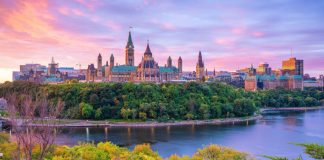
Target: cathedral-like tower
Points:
x,y
148,69
52,67
129,50
180,65
112,61
200,67
169,62
99,66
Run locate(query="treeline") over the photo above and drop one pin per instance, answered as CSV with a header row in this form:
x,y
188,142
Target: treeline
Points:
x,y
161,101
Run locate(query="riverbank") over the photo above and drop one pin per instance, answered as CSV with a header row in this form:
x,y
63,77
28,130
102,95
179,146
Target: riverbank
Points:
x,y
288,109
87,123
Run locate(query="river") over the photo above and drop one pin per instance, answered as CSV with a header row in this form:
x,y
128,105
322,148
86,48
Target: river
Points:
x,y
271,135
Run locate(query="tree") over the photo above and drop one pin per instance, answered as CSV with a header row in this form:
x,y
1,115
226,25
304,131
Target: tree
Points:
x,y
213,152
204,111
86,110
244,107
310,101
24,115
98,113
94,100
142,116
125,113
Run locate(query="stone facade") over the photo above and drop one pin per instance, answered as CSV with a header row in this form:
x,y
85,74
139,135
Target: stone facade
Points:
x,y
265,82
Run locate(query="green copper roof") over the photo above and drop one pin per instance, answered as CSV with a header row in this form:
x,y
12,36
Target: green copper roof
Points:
x,y
129,41
297,77
273,77
268,77
168,69
123,68
283,77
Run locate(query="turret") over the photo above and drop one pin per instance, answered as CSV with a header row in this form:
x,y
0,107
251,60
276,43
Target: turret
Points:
x,y
99,62
99,66
169,62
112,60
180,65
200,67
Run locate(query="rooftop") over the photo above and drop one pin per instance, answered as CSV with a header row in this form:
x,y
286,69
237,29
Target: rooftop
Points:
x,y
123,68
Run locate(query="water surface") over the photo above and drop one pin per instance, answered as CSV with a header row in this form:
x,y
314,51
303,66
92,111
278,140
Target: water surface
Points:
x,y
272,135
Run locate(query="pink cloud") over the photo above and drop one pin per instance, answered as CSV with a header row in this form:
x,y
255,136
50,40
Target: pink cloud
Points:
x,y
64,10
89,4
258,34
68,11
168,26
78,12
224,42
238,31
113,25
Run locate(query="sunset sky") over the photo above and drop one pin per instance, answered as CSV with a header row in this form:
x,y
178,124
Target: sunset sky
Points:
x,y
230,34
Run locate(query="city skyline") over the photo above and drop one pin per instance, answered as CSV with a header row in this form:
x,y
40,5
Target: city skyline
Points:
x,y
230,35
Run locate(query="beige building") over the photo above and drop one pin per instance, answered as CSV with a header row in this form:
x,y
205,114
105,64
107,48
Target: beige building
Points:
x,y
265,82
200,68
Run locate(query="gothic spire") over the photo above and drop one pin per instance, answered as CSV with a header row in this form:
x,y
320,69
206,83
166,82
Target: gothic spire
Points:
x,y
148,50
129,41
169,62
200,61
53,62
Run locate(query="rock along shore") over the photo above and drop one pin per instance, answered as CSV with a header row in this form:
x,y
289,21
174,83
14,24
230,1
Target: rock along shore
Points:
x,y
85,123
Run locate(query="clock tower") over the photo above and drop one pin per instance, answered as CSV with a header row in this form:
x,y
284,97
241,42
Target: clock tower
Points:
x,y
129,50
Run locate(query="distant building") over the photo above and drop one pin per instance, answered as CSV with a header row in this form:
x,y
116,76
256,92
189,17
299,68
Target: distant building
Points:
x,y
264,82
99,66
200,67
263,69
52,68
251,71
91,73
180,66
42,74
321,81
25,69
293,66
312,83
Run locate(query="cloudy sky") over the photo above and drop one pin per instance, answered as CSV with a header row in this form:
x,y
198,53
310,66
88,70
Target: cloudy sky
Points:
x,y
230,34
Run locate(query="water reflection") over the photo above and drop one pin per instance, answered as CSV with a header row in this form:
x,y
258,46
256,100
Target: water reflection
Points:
x,y
106,133
87,134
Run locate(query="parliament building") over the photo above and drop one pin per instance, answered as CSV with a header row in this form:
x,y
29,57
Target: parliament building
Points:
x,y
148,70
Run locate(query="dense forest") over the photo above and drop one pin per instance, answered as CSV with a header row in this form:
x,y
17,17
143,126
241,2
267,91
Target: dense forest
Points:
x,y
162,102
